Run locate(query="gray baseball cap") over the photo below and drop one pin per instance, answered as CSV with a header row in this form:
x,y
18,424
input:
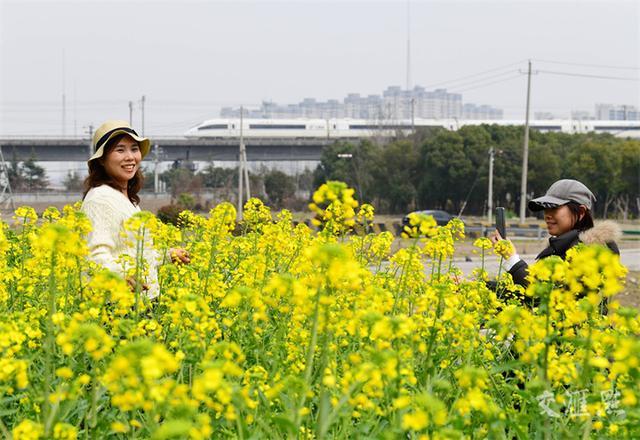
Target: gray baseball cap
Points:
x,y
562,192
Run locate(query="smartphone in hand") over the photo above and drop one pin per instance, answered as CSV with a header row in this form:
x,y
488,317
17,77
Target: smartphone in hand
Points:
x,y
500,222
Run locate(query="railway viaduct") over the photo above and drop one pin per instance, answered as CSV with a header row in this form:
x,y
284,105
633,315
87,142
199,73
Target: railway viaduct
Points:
x,y
78,150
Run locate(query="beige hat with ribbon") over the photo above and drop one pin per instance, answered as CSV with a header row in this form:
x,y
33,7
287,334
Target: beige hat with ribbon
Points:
x,y
111,129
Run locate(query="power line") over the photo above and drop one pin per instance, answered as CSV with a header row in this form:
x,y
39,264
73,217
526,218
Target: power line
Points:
x,y
475,74
601,66
52,103
489,83
482,80
123,101
192,121
586,75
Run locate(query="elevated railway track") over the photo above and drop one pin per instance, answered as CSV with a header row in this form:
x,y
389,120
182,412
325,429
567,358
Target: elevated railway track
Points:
x,y
58,149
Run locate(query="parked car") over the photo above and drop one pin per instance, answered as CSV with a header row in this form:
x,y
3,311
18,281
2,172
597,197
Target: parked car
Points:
x,y
441,217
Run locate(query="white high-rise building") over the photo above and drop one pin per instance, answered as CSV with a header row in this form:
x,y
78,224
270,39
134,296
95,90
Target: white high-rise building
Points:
x,y
394,104
472,111
611,112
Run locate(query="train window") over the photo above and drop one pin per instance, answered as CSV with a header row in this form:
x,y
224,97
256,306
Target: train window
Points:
x,y
214,127
379,127
616,128
547,127
278,127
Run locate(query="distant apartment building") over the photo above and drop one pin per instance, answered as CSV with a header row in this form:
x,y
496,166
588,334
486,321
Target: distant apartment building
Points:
x,y
420,103
581,115
394,104
472,111
359,107
542,116
611,112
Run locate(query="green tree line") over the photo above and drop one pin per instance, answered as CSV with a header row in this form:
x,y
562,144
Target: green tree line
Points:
x,y
26,175
441,169
273,186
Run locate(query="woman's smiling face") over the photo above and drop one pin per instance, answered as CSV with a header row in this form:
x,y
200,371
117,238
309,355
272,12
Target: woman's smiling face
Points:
x,y
560,220
123,160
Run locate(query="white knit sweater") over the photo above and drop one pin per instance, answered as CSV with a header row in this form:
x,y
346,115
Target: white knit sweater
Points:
x,y
108,209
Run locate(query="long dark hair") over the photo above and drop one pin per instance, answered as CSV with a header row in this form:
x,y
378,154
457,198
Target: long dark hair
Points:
x,y
581,224
99,176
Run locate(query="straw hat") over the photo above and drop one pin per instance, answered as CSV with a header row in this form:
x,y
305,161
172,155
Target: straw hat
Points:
x,y
111,129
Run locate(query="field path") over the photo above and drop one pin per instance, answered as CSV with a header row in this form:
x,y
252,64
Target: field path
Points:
x,y
629,257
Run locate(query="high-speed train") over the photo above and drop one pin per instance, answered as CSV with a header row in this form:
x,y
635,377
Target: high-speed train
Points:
x,y
362,128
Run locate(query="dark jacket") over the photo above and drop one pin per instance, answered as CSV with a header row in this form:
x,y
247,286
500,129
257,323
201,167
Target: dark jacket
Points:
x,y
605,233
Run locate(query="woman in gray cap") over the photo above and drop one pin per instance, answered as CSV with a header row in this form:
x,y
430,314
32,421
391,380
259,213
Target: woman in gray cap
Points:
x,y
567,209
111,197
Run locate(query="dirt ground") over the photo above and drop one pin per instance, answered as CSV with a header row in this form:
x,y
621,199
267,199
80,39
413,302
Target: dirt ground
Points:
x,y
524,246
630,297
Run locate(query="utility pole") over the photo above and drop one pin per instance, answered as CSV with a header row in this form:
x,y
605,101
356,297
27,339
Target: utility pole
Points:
x,y
75,110
6,195
413,115
490,195
142,109
241,164
64,114
64,97
131,113
90,145
245,167
408,45
525,153
156,175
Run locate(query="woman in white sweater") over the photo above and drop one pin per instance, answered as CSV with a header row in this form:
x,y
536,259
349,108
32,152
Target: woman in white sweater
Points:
x,y
111,197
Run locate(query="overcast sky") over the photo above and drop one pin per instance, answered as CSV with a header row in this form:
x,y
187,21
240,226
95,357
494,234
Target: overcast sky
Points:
x,y
189,58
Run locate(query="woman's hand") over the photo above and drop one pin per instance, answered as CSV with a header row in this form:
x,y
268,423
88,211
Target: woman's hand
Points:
x,y
496,237
131,281
179,255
